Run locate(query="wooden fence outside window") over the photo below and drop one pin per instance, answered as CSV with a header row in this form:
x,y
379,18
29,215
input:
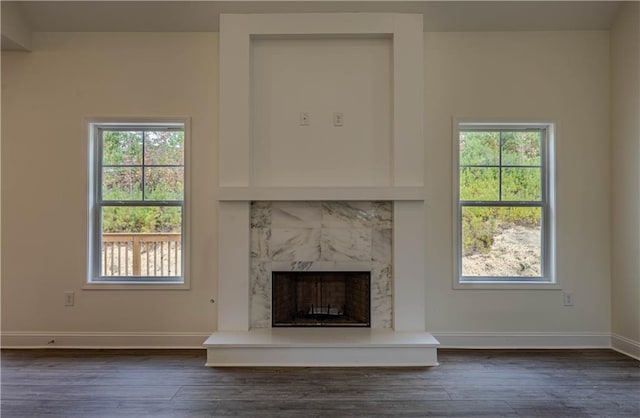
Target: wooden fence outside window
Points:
x,y
158,255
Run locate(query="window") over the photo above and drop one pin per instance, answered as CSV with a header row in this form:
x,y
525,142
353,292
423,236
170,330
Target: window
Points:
x,y
504,203
137,203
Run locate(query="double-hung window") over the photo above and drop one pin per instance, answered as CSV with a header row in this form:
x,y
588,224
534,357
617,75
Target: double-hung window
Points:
x,y
504,228
137,203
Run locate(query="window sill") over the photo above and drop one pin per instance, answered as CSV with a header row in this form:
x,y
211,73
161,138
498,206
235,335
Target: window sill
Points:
x,y
131,285
489,285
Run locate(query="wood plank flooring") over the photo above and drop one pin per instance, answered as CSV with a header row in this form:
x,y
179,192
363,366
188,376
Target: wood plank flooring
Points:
x,y
175,383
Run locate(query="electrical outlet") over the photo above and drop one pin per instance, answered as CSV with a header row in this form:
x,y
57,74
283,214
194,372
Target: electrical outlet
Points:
x,y
305,118
568,298
69,298
338,119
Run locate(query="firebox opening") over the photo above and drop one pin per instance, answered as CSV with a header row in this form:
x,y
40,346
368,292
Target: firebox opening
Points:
x,y
312,299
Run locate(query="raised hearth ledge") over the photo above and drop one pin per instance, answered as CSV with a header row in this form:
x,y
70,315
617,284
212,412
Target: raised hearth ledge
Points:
x,y
320,193
321,347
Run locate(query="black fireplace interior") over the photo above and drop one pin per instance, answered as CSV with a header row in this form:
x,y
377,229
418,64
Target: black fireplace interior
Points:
x,y
313,299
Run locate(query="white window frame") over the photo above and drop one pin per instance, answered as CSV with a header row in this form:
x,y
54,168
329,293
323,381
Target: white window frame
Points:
x,y
548,278
93,278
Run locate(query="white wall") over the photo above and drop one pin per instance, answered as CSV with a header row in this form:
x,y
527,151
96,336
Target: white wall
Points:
x,y
561,76
555,76
625,182
45,95
320,77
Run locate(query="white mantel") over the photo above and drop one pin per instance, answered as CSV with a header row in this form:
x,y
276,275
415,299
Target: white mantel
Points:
x,y
320,193
237,188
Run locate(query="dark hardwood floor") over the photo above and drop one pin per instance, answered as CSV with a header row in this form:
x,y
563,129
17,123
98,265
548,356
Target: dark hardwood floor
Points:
x,y
175,383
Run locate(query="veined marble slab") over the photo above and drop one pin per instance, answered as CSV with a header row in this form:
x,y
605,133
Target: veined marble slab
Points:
x,y
260,282
295,244
296,214
381,244
381,296
347,214
320,266
345,244
260,248
382,214
260,214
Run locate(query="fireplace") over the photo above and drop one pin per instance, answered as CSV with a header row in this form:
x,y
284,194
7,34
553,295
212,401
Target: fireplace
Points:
x,y
321,236
278,214
316,299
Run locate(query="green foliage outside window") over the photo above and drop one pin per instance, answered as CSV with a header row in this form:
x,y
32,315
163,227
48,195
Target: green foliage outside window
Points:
x,y
142,166
149,219
498,167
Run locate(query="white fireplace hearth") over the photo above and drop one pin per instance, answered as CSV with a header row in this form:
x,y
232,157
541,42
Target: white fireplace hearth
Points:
x,y
321,347
317,196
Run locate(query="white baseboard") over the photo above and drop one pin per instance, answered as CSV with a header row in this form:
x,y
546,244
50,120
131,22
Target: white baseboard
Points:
x,y
626,346
523,340
97,340
146,340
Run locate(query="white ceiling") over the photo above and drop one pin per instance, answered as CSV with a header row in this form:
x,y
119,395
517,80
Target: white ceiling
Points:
x,y
199,16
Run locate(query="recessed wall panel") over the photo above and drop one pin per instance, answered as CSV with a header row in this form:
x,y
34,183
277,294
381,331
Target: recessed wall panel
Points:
x,y
321,111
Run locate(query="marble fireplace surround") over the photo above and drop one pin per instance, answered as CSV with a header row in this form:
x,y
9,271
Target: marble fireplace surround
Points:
x,y
401,290
321,236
